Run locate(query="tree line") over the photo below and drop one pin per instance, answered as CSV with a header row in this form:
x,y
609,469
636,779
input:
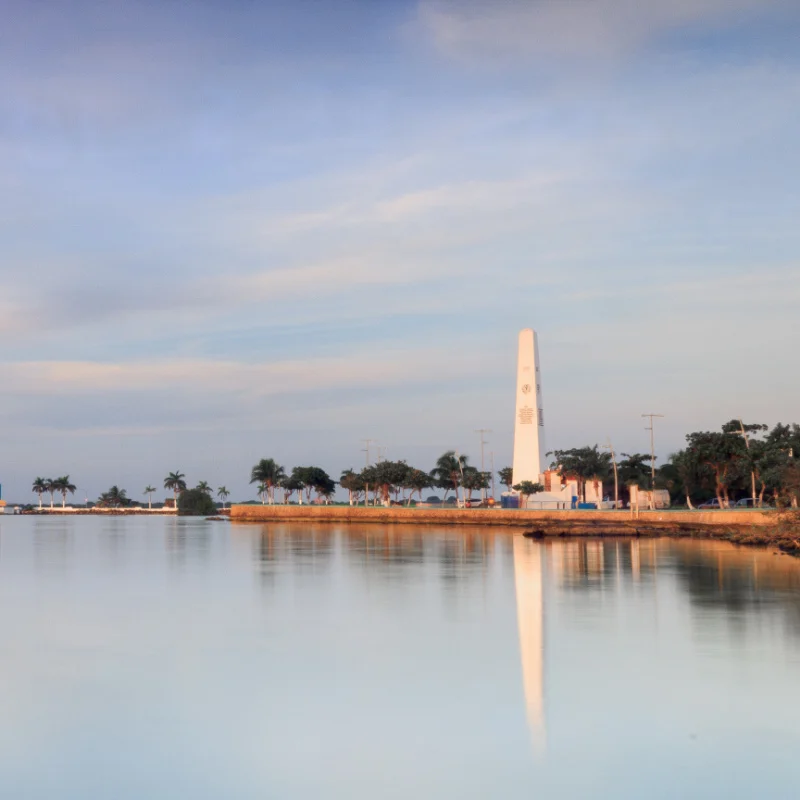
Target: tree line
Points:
x,y
116,497
739,460
384,482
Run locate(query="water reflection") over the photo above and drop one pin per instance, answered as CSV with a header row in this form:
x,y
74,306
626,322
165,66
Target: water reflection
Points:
x,y
528,579
459,663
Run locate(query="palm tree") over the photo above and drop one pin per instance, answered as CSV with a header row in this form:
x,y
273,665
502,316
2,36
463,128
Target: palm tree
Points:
x,y
114,497
448,471
39,487
50,486
223,495
203,486
148,490
262,492
270,473
176,484
63,485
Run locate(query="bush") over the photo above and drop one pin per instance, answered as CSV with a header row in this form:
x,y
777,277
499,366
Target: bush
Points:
x,y
195,503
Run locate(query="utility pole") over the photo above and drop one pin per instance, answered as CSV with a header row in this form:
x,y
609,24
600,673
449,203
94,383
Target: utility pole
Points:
x,y
491,462
752,471
461,470
610,447
651,417
367,442
481,431
381,452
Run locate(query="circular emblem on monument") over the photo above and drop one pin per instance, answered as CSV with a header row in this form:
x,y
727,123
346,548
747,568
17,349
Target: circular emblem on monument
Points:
x,y
526,388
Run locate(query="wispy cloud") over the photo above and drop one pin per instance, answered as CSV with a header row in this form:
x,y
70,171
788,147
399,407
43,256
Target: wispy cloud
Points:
x,y
581,29
402,367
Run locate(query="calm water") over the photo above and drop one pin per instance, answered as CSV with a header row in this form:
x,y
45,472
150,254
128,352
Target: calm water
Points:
x,y
160,658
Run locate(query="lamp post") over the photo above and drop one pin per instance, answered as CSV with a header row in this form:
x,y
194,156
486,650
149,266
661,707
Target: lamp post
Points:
x,y
481,431
610,447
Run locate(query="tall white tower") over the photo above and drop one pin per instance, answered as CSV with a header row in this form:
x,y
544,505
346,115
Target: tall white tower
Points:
x,y
529,458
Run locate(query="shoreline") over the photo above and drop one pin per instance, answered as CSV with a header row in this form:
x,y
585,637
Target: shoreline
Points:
x,y
71,512
570,521
752,527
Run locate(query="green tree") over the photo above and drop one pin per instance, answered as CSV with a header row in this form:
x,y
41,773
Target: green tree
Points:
x,y
689,473
63,485
782,444
317,480
369,477
270,473
448,470
175,483
223,495
39,487
417,480
506,475
302,477
203,486
583,464
526,489
723,455
353,483
389,477
195,503
473,480
291,484
51,488
753,448
635,470
148,490
114,498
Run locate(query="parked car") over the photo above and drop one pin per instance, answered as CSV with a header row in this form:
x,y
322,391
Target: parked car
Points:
x,y
709,505
751,502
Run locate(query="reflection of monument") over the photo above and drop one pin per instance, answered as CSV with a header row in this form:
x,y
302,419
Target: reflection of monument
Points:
x,y
529,421
528,567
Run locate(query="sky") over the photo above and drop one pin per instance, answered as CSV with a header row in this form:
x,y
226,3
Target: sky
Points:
x,y
239,230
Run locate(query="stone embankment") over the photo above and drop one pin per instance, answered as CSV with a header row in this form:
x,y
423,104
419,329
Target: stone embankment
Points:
x,y
553,523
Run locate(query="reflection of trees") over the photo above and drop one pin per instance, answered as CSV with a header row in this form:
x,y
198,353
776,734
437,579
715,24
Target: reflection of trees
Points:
x,y
113,537
387,552
716,575
307,550
52,542
392,551
599,563
187,538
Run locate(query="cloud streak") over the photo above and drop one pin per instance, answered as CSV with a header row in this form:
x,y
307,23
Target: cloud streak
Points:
x,y
579,29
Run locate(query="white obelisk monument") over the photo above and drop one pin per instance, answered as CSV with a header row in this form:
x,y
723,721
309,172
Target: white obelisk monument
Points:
x,y
529,458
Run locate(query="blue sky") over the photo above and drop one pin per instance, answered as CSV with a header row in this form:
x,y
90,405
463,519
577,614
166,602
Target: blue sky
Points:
x,y
231,231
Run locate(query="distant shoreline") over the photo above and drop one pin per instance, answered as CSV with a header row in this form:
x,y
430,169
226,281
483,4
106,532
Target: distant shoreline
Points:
x,y
71,512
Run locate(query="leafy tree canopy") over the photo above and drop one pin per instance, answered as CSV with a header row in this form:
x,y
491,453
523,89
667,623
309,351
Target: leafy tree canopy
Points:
x,y
196,503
